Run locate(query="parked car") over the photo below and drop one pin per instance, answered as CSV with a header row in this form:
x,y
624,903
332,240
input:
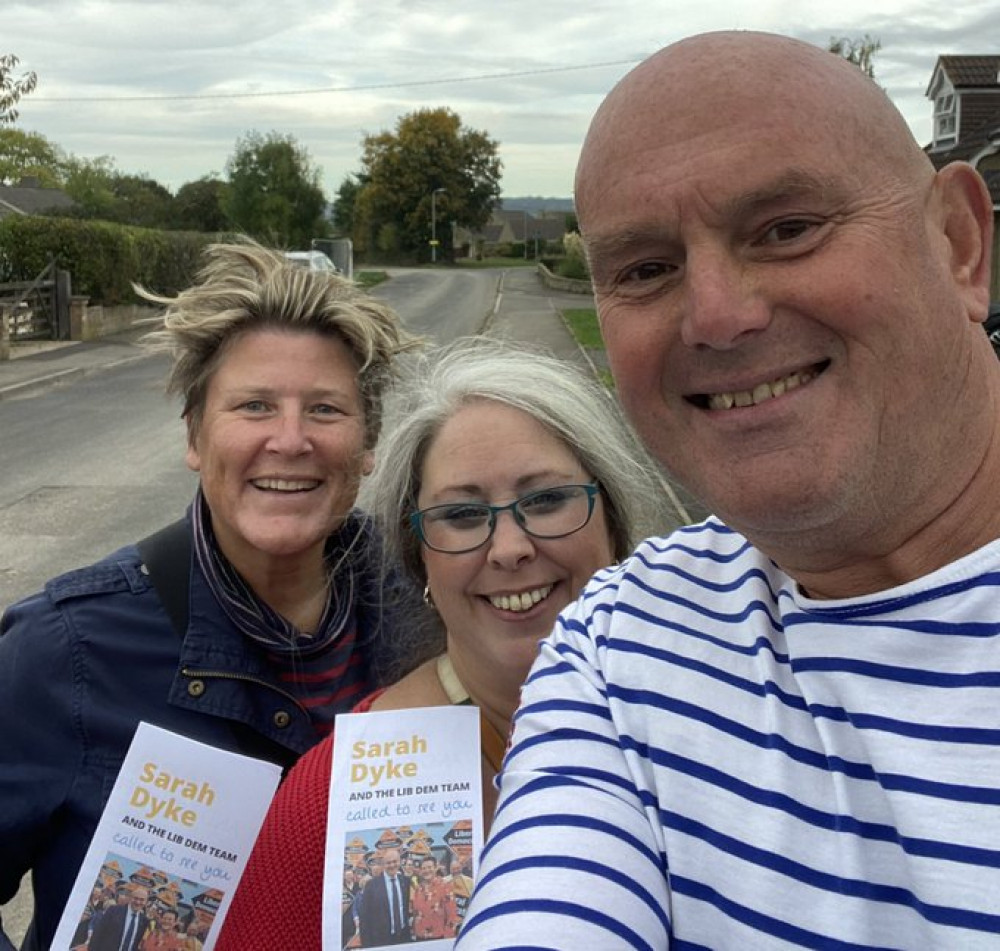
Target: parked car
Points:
x,y
314,260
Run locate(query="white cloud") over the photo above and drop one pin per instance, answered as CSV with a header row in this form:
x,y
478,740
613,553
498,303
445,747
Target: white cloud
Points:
x,y
421,53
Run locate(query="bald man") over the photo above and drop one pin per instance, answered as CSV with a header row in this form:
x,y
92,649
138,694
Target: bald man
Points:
x,y
384,908
122,927
780,728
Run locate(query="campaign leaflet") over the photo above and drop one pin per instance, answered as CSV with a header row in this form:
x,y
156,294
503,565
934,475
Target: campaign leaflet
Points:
x,y
405,827
179,824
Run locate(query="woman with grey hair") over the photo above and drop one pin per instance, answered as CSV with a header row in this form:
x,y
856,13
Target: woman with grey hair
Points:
x,y
251,622
504,480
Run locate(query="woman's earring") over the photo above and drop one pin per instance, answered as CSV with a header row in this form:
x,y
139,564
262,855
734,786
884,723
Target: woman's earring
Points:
x,y
428,600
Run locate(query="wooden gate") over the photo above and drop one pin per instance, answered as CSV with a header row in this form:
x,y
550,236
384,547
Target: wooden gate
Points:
x,y
38,309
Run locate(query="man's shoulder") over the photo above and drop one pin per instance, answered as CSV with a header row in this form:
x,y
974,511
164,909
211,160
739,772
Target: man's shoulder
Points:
x,y
685,580
708,554
710,539
110,916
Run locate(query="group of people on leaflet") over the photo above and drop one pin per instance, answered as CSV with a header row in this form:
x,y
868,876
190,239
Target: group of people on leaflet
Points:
x,y
135,920
775,728
411,899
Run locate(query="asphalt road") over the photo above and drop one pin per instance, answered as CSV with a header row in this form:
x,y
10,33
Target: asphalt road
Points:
x,y
442,304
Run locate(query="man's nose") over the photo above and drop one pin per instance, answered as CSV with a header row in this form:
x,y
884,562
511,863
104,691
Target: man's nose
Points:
x,y
722,300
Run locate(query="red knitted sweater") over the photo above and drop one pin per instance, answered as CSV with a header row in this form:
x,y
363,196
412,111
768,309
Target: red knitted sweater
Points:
x,y
279,902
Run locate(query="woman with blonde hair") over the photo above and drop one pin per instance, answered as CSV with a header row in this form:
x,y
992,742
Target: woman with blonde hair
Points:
x,y
251,622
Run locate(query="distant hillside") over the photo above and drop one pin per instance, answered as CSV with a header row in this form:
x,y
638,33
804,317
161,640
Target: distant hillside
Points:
x,y
534,204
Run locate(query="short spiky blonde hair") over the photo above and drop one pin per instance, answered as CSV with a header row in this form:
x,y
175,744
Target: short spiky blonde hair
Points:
x,y
244,286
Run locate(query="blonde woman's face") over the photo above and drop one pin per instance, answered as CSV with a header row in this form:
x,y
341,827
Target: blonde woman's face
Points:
x,y
280,447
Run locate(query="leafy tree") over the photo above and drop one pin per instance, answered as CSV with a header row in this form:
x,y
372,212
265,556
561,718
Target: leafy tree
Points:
x,y
140,200
102,192
28,153
198,206
274,191
430,150
90,183
860,52
11,89
344,206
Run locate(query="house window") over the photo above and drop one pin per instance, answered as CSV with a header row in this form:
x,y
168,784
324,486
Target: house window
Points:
x,y
944,127
944,104
945,119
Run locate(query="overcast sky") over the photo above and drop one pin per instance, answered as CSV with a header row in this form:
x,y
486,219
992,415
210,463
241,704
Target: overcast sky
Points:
x,y
165,87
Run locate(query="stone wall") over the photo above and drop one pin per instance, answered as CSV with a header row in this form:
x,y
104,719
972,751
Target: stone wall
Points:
x,y
91,321
558,283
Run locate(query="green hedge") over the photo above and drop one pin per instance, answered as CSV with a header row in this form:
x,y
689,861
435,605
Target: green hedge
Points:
x,y
103,258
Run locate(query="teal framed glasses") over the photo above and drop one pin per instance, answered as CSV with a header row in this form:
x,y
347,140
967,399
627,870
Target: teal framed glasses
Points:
x,y
458,527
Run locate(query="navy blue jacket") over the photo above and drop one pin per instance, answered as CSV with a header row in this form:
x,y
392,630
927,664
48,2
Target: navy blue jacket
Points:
x,y
80,665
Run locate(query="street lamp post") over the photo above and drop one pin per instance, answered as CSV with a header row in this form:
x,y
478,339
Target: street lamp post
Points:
x,y
434,242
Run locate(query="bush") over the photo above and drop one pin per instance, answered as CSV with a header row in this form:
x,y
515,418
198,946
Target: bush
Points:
x,y
574,264
103,259
573,267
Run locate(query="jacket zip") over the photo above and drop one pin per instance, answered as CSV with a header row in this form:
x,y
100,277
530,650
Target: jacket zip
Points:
x,y
246,678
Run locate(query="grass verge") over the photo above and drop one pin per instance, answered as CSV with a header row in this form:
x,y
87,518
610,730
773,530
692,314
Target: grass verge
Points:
x,y
369,279
583,325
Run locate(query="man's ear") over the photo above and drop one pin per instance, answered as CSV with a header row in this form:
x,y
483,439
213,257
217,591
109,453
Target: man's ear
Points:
x,y
968,229
367,462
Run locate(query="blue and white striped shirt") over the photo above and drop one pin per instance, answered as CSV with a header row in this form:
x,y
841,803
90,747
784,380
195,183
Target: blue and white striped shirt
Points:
x,y
704,758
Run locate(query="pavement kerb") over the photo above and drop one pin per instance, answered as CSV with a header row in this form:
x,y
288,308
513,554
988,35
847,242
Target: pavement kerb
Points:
x,y
25,387
583,350
491,315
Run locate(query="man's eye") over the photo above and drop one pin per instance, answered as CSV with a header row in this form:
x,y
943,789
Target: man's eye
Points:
x,y
647,271
782,232
254,406
326,409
